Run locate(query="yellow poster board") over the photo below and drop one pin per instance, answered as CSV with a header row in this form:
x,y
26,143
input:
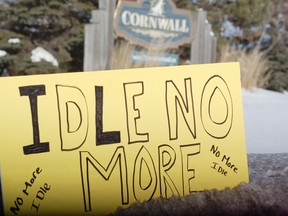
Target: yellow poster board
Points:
x,y
88,143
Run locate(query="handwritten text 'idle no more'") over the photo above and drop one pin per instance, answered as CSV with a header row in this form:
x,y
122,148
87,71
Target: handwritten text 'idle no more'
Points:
x,y
177,103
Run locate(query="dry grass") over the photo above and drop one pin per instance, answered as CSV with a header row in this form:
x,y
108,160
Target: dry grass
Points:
x,y
121,58
253,65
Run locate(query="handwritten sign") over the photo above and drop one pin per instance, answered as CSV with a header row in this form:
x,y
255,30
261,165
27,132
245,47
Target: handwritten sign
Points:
x,y
88,143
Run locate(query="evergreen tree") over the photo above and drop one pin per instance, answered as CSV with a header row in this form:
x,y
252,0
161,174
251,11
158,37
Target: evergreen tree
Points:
x,y
246,13
57,26
182,3
278,54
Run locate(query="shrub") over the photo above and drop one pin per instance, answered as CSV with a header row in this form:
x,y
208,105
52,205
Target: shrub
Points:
x,y
254,66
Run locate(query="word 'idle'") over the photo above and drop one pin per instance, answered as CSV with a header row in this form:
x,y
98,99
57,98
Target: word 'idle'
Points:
x,y
176,102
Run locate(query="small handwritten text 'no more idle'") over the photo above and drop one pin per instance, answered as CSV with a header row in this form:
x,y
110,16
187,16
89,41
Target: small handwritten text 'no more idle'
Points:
x,y
225,159
28,188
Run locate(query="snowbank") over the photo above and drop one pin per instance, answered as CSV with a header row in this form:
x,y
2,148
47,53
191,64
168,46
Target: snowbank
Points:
x,y
266,121
39,54
14,41
3,53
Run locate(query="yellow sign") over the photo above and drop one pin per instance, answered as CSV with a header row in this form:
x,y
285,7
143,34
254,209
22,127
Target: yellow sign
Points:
x,y
88,143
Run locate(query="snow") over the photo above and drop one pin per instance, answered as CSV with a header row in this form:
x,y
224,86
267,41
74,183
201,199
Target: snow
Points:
x,y
14,41
3,53
229,30
266,121
39,54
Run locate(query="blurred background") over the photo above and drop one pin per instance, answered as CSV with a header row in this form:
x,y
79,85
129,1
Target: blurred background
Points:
x,y
255,33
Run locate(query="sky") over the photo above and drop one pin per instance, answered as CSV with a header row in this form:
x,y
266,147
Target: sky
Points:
x,y
266,121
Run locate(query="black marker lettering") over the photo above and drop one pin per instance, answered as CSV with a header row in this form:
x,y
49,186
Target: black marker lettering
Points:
x,y
103,138
216,122
188,173
17,203
133,90
167,158
215,151
144,163
87,159
174,99
73,117
35,206
33,92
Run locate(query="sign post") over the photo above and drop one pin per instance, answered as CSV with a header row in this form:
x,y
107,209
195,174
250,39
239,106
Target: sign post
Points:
x,y
88,143
99,37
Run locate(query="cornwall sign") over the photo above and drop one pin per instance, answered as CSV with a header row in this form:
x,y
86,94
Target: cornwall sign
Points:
x,y
151,22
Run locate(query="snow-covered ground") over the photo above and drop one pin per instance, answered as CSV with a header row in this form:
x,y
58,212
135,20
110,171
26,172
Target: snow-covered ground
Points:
x,y
266,121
